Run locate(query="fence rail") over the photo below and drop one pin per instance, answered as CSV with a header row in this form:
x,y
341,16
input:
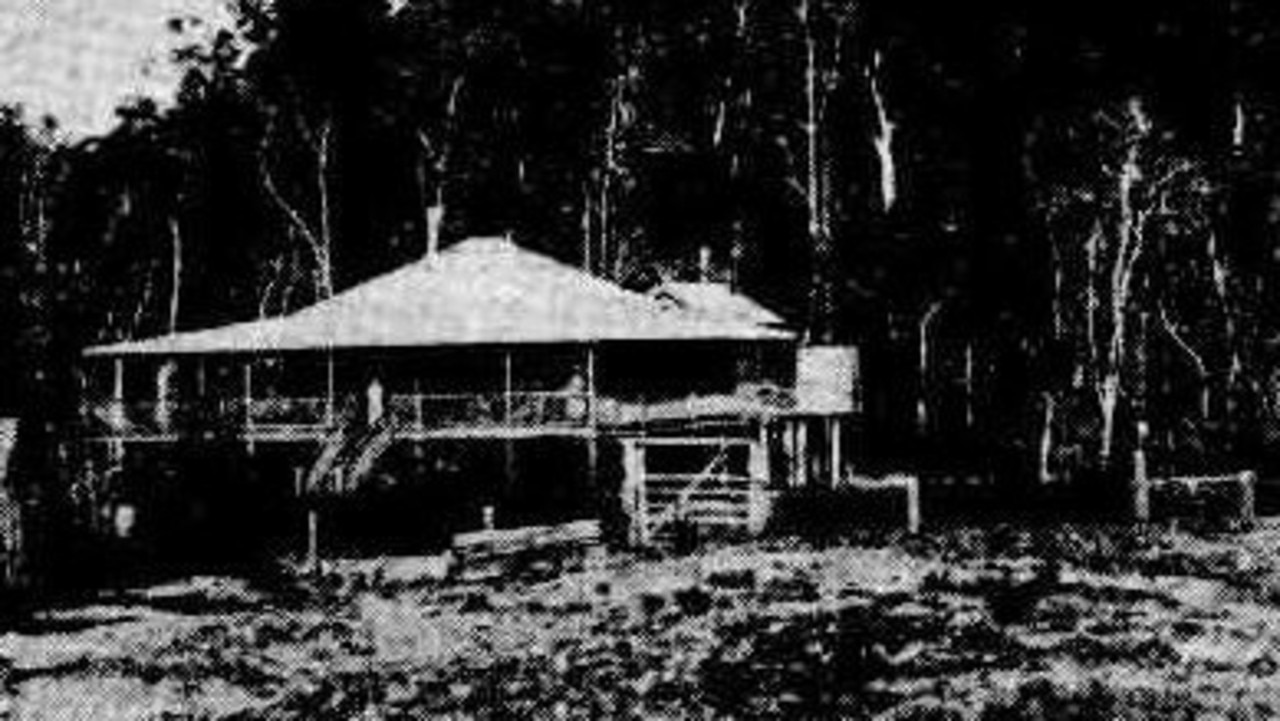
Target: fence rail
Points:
x,y
413,413
491,410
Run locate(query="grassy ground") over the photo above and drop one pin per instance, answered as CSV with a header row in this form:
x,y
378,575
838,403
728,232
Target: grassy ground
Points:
x,y
1080,622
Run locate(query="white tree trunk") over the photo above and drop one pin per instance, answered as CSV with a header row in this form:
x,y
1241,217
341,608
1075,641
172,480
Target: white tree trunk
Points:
x,y
1238,125
882,140
1044,471
968,386
588,212
175,281
1108,399
813,194
324,255
922,402
816,183
604,205
1221,285
1129,240
742,99
318,238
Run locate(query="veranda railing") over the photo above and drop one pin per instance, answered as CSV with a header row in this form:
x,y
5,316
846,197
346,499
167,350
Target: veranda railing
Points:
x,y
282,414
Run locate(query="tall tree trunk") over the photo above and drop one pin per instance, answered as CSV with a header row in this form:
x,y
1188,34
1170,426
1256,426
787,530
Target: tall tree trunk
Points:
x,y
817,203
612,168
588,212
1044,471
882,140
739,96
922,401
1238,125
317,235
324,256
175,279
969,416
1130,230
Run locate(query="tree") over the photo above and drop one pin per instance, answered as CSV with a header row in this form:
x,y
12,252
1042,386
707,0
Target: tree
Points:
x,y
1134,208
313,226
825,33
30,169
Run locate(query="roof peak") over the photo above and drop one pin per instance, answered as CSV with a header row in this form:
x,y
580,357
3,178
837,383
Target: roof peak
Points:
x,y
484,244
481,246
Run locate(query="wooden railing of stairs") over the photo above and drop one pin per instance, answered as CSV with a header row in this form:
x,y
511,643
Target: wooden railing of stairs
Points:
x,y
349,455
346,459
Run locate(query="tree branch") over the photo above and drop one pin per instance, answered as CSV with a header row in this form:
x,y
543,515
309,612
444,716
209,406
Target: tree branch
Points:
x,y
295,218
1172,331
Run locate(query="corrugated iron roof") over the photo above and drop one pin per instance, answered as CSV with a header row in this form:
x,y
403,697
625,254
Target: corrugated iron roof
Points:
x,y
476,292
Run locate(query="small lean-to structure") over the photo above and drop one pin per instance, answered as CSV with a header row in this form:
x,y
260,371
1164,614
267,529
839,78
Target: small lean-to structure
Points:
x,y
486,384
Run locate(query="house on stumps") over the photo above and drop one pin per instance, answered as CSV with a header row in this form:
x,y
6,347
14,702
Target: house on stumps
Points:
x,y
483,384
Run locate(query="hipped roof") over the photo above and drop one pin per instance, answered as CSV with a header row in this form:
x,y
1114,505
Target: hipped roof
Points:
x,y
484,291
716,301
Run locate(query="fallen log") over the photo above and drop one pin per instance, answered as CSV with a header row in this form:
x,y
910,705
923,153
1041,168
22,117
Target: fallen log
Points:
x,y
495,552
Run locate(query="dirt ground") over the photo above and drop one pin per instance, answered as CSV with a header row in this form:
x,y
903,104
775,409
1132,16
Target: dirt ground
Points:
x,y
1002,624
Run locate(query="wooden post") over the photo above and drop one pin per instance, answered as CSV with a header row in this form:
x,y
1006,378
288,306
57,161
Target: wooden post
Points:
x,y
633,492
591,386
833,446
330,417
789,451
968,385
117,393
627,493
418,416
201,378
763,438
306,496
642,493
913,504
802,452
313,539
507,403
248,403
593,436
119,418
117,389
758,473
248,392
164,378
508,420
1248,482
1141,483
508,467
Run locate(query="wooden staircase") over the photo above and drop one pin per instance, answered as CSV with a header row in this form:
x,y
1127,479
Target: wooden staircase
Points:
x,y
349,455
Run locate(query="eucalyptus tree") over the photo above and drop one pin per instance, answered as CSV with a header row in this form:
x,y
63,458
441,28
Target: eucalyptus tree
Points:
x,y
1134,248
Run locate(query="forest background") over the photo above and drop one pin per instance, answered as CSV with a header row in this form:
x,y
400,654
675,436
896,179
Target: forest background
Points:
x,y
1045,225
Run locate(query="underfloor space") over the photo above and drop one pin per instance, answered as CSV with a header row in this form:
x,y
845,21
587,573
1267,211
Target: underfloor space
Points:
x,y
421,495
211,507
